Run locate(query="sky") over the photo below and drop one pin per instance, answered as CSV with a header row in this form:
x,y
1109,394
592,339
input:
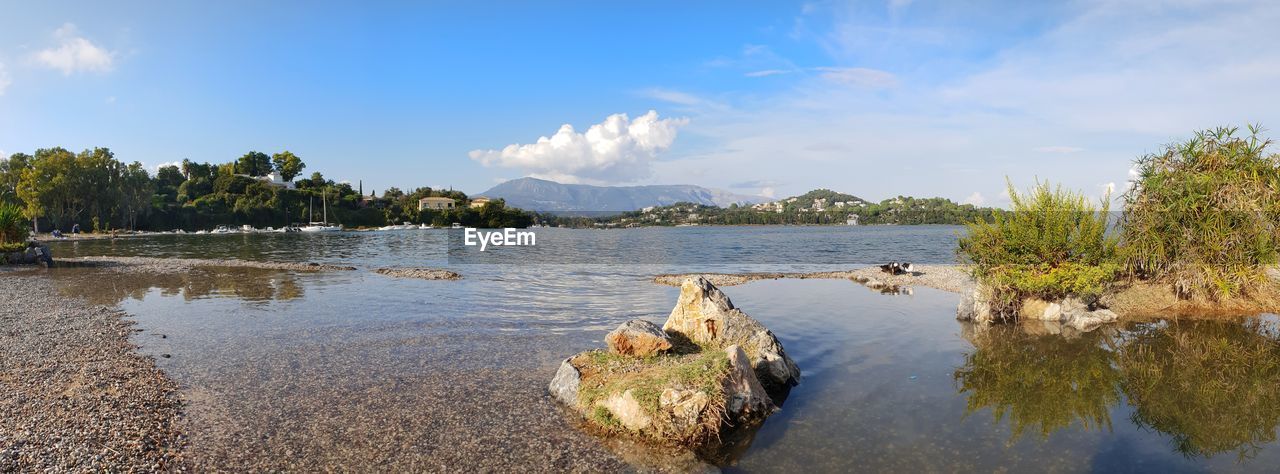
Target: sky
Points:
x,y
876,99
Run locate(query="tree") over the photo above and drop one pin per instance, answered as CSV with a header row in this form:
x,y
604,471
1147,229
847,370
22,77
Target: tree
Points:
x,y
10,173
288,164
136,189
253,163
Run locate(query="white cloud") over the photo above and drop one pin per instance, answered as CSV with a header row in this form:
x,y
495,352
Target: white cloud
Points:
x,y
859,77
4,79
975,199
616,150
167,163
675,97
767,72
1058,149
767,192
74,53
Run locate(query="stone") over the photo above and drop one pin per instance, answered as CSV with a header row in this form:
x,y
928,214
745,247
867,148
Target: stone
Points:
x,y
705,315
1090,320
975,306
564,386
745,397
638,338
1038,309
684,407
626,409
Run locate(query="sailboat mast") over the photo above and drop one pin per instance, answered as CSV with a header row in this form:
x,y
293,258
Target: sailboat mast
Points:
x,y
324,199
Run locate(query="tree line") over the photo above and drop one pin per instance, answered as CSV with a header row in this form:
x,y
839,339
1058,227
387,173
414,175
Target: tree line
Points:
x,y
57,189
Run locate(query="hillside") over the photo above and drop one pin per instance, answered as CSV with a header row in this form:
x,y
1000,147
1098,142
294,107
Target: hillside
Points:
x,y
549,196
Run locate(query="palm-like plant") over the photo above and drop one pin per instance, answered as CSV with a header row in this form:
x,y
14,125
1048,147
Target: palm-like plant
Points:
x,y
13,226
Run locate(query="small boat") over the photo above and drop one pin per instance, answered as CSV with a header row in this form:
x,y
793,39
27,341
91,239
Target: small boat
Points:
x,y
455,226
202,231
248,229
323,226
222,229
426,226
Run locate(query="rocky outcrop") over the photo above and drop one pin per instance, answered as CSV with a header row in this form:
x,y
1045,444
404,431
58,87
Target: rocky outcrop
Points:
x,y
35,253
638,338
706,316
1068,312
654,384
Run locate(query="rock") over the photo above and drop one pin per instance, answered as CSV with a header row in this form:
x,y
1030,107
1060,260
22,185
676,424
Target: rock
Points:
x,y
627,410
744,396
975,306
1090,320
705,315
1038,309
638,338
564,386
1072,307
684,407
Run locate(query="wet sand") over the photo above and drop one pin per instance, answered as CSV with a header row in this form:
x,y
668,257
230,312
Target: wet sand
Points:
x,y
952,278
74,394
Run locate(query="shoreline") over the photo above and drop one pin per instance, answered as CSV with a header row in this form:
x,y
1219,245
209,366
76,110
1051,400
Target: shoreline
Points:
x,y
951,278
77,395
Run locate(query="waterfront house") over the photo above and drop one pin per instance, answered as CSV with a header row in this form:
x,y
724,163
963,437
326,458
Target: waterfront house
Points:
x,y
479,201
435,203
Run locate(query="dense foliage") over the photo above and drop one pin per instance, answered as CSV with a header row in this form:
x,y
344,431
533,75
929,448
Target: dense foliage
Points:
x,y
59,189
1204,215
13,226
1053,244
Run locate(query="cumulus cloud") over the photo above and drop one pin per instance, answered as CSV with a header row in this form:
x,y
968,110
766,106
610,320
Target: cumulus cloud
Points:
x,y
167,163
975,199
4,79
616,150
74,53
859,77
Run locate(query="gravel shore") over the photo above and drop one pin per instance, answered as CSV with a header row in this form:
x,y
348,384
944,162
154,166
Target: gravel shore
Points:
x,y
173,265
953,278
74,394
420,273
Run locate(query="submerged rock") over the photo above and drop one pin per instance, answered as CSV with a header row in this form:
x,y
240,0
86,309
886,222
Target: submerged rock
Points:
x,y
706,316
638,338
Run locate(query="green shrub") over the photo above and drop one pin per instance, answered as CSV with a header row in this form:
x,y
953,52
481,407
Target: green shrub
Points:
x,y
1053,244
1203,215
13,226
12,247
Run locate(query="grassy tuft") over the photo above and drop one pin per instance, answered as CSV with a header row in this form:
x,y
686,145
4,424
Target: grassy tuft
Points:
x,y
13,226
1054,244
1204,214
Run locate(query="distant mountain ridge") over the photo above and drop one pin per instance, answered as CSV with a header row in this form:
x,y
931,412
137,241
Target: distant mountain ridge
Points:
x,y
549,196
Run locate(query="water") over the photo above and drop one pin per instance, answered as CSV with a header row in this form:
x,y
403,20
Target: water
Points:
x,y
294,371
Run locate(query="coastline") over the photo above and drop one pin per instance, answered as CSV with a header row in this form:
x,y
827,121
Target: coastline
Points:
x,y
950,278
75,394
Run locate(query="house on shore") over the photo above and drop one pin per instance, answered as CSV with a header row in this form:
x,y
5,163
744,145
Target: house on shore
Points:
x,y
435,204
480,201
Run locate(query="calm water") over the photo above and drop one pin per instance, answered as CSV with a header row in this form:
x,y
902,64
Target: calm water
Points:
x,y
355,369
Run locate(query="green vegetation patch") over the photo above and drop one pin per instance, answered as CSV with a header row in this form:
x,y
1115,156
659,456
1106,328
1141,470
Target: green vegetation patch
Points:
x,y
605,374
1204,214
1054,244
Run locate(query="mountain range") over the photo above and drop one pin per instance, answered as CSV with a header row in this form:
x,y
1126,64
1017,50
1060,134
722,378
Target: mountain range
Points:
x,y
549,196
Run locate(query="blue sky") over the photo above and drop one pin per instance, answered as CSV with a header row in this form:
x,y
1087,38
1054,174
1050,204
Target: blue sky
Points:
x,y
871,98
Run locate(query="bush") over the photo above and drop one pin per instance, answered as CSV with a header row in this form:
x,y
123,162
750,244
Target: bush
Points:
x,y
13,226
1203,214
1053,244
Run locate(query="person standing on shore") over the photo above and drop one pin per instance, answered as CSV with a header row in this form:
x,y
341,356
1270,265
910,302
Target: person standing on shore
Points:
x,y
75,229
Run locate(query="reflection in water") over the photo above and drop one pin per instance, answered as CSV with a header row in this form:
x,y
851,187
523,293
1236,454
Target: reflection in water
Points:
x,y
1214,387
249,284
1211,386
1041,382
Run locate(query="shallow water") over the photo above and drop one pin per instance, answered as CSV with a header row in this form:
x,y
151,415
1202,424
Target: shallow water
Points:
x,y
356,369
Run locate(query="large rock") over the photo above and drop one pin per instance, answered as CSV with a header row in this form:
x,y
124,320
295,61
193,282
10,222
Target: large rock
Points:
x,y
1038,309
564,386
744,396
706,316
638,338
975,306
35,253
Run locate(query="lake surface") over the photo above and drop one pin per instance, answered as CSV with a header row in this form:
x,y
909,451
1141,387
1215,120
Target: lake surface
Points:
x,y
353,369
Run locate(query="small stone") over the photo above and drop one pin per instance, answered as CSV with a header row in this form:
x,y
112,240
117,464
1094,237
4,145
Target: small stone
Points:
x,y
638,338
626,409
